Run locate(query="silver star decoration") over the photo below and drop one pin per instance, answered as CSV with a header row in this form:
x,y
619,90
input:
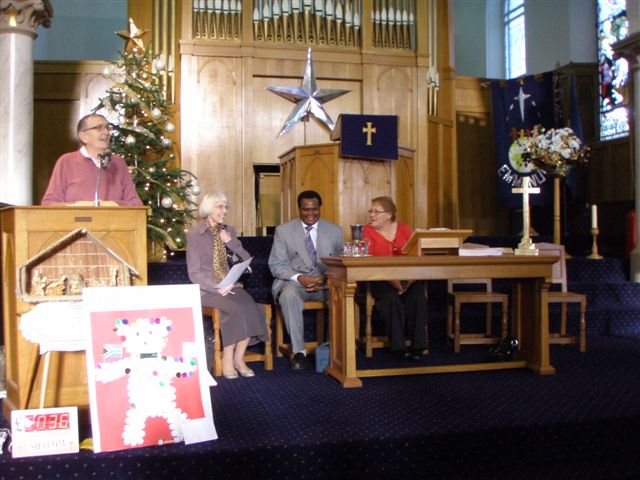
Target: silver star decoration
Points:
x,y
308,99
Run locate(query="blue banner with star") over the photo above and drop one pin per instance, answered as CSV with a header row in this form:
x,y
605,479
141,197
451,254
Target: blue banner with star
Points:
x,y
367,136
518,105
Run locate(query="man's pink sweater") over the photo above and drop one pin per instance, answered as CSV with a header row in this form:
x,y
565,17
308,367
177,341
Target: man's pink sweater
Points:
x,y
74,179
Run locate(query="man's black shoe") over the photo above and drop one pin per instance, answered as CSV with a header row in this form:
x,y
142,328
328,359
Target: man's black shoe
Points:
x,y
416,354
299,361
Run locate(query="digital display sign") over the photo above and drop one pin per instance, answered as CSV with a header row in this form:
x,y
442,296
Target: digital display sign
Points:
x,y
44,431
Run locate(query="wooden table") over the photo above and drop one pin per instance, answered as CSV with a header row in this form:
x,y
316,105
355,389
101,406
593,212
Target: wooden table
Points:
x,y
531,319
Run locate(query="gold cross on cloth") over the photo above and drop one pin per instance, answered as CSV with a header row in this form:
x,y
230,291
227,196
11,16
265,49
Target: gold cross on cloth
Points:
x,y
369,130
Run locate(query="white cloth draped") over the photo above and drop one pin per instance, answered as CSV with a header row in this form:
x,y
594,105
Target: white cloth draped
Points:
x,y
55,326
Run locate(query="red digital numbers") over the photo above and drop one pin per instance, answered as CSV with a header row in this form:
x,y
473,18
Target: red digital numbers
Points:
x,y
47,421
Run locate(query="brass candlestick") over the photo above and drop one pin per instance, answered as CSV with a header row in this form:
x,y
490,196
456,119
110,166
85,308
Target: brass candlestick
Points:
x,y
594,246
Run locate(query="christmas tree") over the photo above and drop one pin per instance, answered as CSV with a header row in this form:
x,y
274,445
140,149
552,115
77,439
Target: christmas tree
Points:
x,y
140,117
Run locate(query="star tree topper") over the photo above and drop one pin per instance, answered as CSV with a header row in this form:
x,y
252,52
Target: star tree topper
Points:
x,y
308,99
134,35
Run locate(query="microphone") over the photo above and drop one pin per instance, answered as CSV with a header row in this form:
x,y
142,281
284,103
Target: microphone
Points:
x,y
231,255
104,159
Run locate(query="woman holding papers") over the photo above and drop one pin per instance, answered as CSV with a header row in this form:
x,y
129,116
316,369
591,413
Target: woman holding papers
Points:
x,y
242,321
402,305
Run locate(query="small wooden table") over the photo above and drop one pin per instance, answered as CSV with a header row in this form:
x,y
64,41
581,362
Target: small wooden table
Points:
x,y
531,319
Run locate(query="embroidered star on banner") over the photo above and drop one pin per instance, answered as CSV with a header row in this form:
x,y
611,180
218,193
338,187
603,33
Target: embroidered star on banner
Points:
x,y
308,99
134,35
521,99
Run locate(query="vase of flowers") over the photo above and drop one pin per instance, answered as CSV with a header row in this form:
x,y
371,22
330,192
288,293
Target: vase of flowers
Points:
x,y
555,151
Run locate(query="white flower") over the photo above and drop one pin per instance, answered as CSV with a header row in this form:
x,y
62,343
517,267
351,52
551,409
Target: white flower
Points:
x,y
555,151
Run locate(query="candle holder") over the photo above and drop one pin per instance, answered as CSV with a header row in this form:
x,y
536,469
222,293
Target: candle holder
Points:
x,y
356,231
594,246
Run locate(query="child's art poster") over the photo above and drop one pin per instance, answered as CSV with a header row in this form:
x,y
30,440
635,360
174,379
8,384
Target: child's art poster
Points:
x,y
146,366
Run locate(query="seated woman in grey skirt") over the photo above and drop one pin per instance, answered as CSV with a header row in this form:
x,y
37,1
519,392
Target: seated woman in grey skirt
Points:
x,y
242,321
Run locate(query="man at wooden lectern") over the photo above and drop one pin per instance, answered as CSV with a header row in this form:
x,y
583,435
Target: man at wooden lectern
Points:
x,y
299,273
91,174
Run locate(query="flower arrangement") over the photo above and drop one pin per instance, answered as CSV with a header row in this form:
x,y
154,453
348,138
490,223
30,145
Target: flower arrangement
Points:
x,y
555,151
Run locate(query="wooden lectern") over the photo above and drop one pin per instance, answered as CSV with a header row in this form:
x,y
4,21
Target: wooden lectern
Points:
x,y
26,232
346,185
437,241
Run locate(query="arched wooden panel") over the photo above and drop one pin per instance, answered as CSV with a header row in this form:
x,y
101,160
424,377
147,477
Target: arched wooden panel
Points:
x,y
212,128
395,95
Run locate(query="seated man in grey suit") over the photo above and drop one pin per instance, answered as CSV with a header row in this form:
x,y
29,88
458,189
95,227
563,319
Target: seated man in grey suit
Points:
x,y
295,264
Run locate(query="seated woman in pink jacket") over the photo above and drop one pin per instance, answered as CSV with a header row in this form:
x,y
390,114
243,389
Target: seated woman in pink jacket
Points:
x,y
75,175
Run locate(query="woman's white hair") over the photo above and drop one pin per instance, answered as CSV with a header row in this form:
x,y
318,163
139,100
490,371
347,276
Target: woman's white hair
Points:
x,y
209,201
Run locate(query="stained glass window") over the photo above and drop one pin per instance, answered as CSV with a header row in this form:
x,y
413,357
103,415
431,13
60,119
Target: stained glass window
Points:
x,y
515,59
613,74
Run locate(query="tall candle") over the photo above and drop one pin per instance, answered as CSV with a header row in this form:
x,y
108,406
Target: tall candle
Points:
x,y
594,216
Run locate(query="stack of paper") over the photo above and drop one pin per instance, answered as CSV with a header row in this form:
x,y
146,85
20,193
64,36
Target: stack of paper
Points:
x,y
478,250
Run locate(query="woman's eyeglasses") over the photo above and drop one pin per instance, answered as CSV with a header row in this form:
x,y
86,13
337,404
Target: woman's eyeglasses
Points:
x,y
376,212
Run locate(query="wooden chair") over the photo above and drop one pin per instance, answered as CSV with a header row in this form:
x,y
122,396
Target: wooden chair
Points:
x,y
249,356
283,348
455,301
368,341
564,297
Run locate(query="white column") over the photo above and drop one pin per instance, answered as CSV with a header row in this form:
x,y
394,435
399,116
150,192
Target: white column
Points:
x,y
629,48
19,20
